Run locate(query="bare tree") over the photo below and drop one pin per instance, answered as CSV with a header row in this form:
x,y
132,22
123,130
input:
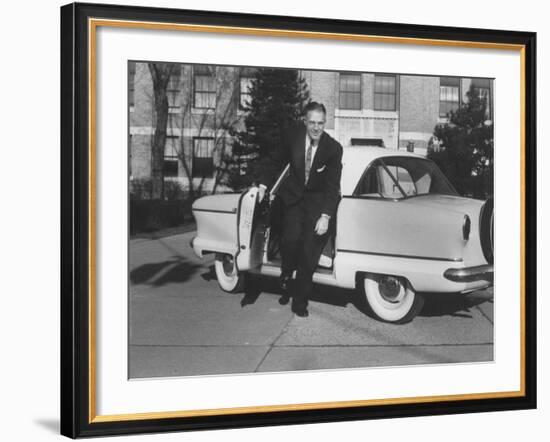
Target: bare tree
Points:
x,y
160,73
215,123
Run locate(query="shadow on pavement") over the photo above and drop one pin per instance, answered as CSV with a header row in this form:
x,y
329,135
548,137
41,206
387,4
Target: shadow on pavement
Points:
x,y
455,305
451,304
256,285
252,291
175,270
210,275
336,296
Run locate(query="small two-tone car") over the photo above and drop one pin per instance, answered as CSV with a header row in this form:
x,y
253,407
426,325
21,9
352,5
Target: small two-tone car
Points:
x,y
401,230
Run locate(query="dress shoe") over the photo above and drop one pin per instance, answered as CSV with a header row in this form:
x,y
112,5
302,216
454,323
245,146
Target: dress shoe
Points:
x,y
301,312
284,300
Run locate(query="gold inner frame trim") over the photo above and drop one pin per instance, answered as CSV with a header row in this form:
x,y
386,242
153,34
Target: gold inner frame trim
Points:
x,y
294,407
92,28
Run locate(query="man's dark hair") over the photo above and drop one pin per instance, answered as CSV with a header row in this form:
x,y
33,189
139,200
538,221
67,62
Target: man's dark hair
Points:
x,y
314,106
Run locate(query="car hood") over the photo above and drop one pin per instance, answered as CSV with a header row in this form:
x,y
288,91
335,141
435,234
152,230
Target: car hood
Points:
x,y
457,204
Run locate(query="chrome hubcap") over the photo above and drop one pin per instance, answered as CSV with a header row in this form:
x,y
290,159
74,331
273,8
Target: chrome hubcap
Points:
x,y
390,288
228,265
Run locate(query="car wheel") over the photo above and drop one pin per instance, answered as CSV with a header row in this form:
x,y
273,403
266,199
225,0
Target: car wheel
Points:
x,y
391,298
229,278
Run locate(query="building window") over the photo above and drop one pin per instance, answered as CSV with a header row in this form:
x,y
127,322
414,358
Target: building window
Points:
x,y
246,77
350,91
204,87
449,95
203,160
131,81
173,89
245,86
378,142
170,164
482,88
385,92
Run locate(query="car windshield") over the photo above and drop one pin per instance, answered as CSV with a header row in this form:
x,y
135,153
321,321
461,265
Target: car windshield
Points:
x,y
403,177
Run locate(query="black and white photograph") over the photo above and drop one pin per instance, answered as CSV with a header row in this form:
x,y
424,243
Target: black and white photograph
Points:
x,y
285,219
274,220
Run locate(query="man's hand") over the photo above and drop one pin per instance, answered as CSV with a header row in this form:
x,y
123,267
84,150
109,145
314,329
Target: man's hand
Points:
x,y
261,192
322,225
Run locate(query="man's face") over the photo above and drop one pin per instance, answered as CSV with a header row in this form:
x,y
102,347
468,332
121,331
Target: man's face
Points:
x,y
315,124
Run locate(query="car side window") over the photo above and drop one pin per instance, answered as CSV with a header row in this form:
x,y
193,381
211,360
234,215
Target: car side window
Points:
x,y
369,184
404,179
376,182
424,184
396,177
389,188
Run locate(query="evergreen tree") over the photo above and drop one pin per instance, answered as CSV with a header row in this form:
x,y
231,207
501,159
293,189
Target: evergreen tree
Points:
x,y
277,98
466,148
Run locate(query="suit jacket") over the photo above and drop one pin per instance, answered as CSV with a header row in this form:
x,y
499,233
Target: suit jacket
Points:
x,y
323,186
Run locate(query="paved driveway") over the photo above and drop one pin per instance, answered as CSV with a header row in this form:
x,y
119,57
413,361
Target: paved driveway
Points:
x,y
182,324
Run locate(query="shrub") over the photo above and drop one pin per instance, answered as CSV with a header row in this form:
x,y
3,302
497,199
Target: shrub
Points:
x,y
140,189
465,151
173,190
151,215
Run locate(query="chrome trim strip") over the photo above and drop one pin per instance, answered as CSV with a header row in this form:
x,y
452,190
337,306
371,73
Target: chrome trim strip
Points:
x,y
428,258
215,211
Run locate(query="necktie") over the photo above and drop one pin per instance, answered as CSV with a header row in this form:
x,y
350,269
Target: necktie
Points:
x,y
308,160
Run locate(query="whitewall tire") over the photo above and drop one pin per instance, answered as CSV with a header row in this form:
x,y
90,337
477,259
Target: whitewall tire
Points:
x,y
391,298
229,278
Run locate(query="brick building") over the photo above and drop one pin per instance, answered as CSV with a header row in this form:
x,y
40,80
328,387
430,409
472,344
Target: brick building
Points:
x,y
363,109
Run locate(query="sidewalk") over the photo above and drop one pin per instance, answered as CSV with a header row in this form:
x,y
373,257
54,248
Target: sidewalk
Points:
x,y
183,324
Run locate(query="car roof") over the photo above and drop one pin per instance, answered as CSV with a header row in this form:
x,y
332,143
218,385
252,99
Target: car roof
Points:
x,y
356,159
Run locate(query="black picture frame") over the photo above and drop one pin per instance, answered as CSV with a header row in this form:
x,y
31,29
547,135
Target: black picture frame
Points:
x,y
77,250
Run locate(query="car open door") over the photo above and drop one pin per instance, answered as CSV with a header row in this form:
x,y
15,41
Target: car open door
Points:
x,y
252,225
250,232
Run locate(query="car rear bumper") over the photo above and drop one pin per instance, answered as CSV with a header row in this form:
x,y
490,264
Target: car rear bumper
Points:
x,y
470,274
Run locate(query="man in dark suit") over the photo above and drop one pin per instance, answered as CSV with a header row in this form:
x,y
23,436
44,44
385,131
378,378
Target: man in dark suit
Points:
x,y
309,194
